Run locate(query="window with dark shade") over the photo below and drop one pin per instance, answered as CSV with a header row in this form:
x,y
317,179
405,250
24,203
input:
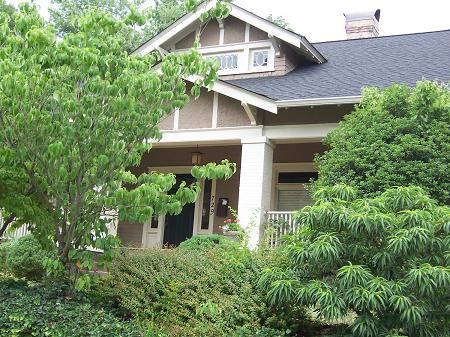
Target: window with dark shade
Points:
x,y
293,192
154,223
296,177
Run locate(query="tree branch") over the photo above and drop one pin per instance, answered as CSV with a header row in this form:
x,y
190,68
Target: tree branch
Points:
x,y
7,222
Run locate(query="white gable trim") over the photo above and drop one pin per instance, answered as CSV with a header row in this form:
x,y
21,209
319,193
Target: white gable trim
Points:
x,y
272,29
275,31
174,29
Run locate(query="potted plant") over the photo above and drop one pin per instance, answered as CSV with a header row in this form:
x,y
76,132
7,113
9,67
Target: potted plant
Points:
x,y
231,227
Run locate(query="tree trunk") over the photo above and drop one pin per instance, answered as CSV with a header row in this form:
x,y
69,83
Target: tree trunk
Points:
x,y
6,224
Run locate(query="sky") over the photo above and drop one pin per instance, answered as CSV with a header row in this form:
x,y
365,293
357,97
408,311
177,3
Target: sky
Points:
x,y
323,20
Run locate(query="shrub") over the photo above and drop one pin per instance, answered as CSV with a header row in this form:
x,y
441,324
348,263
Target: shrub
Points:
x,y
32,309
24,257
207,242
190,291
4,247
396,136
384,259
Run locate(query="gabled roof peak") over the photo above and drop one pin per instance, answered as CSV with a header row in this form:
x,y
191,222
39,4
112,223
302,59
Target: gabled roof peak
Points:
x,y
188,21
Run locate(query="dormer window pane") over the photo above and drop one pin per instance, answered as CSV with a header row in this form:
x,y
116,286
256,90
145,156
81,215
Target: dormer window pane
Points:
x,y
260,58
229,61
226,61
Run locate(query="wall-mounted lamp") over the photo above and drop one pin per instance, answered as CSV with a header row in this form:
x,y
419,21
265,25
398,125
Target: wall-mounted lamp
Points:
x,y
196,157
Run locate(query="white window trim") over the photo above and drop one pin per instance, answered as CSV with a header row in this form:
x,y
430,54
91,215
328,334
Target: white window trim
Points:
x,y
240,61
270,60
244,52
287,167
212,211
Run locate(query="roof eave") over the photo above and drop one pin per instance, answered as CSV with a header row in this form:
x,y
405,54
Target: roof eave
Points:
x,y
318,101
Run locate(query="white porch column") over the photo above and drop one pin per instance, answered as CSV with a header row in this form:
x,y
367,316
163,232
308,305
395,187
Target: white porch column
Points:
x,y
255,185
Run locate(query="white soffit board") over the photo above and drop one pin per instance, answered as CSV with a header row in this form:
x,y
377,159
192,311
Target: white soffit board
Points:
x,y
318,101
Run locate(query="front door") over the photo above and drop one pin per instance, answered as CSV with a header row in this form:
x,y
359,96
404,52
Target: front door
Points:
x,y
179,228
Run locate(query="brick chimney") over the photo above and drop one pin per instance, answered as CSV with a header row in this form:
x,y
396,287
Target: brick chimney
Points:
x,y
362,24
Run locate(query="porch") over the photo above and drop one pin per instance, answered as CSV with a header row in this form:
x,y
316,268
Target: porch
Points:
x,y
271,182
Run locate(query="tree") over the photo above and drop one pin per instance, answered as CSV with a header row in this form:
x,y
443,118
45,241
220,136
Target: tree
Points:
x,y
384,259
396,136
155,18
76,113
16,197
280,21
20,205
162,15
7,9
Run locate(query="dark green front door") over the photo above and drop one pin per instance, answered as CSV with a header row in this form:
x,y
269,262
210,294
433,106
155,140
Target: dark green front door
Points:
x,y
179,228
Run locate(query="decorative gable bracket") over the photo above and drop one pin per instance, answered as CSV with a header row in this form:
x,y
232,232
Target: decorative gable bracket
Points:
x,y
251,112
275,45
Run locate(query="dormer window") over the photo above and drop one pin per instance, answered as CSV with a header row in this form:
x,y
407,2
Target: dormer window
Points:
x,y
241,58
228,61
260,58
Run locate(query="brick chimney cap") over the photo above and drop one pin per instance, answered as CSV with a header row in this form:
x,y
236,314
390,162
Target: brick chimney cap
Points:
x,y
363,15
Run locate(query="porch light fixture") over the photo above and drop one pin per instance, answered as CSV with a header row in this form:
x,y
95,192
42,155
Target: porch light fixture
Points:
x,y
196,157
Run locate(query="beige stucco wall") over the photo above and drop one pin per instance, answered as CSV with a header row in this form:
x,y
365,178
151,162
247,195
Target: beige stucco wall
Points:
x,y
210,34
234,30
197,113
297,153
257,34
186,42
231,113
307,115
167,122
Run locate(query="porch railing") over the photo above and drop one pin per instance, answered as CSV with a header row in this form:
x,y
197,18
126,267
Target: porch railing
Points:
x,y
19,232
279,223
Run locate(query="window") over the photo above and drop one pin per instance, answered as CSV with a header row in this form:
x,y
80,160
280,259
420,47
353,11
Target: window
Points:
x,y
154,222
206,207
260,58
293,190
227,61
296,177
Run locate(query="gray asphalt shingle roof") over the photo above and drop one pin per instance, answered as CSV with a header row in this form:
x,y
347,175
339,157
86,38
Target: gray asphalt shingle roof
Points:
x,y
353,64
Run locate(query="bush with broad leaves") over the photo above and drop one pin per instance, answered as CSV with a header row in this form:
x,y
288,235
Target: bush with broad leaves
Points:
x,y
385,260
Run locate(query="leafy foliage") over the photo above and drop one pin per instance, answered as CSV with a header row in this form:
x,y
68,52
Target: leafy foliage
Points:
x,y
97,110
395,137
24,257
7,8
17,198
151,19
280,21
385,259
207,242
33,309
190,291
4,247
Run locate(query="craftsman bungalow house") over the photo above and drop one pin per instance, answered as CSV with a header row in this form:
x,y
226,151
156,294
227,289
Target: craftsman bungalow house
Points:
x,y
277,97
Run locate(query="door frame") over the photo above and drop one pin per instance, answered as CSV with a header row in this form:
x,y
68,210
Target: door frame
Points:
x,y
196,230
